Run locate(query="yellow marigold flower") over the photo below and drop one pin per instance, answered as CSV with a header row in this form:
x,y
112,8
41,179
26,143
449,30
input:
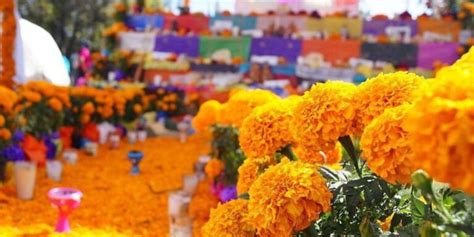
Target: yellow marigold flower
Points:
x,y
382,92
55,104
214,168
266,129
330,156
441,131
287,197
386,148
249,171
241,104
324,114
207,115
88,108
229,220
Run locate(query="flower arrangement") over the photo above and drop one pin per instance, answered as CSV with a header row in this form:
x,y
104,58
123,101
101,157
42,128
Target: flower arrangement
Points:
x,y
412,131
41,107
130,104
166,100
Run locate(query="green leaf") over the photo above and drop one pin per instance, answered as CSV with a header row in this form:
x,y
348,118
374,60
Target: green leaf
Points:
x,y
244,196
367,229
417,209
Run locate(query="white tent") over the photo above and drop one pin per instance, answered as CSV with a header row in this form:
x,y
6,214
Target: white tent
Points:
x,y
38,56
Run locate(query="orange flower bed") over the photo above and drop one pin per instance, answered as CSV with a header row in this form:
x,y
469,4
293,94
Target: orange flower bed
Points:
x,y
114,202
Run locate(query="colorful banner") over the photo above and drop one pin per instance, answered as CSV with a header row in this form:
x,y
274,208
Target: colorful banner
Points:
x,y
377,27
333,51
290,49
397,54
192,23
267,22
243,22
238,46
137,41
428,53
177,44
141,22
335,25
444,27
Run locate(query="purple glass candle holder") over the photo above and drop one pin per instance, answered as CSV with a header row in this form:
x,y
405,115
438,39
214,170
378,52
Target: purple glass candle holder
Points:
x,y
65,200
135,157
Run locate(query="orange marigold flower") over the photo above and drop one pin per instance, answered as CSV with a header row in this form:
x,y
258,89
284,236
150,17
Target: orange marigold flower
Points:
x,y
441,131
207,115
249,171
230,219
382,92
385,146
330,156
241,104
85,118
88,108
2,120
214,168
31,96
267,129
8,98
55,104
5,134
287,198
137,108
324,114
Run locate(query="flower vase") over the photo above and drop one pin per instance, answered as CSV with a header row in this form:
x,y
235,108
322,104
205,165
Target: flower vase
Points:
x,y
178,203
142,135
132,137
135,157
54,169
91,148
25,178
70,156
114,141
181,226
65,200
182,128
190,183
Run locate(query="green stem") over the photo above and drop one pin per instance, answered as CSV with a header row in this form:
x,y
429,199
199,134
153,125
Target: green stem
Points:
x,y
288,152
346,142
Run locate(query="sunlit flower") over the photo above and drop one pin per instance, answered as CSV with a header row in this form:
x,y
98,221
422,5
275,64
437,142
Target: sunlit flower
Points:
x,y
309,154
267,129
324,114
228,220
249,171
382,92
207,115
441,131
241,104
287,197
386,148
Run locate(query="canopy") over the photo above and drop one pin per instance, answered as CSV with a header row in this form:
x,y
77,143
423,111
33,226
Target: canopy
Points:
x,y
40,58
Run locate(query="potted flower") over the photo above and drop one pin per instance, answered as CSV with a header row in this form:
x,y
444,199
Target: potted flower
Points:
x,y
130,103
8,98
40,113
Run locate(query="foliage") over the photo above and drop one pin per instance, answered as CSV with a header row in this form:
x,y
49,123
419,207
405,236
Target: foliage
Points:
x,y
226,147
169,100
70,22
